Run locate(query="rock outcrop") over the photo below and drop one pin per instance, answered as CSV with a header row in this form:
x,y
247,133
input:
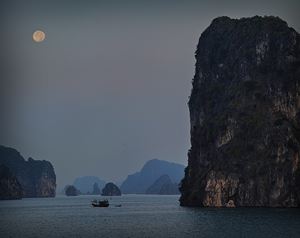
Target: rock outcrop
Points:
x,y
37,178
71,190
111,189
163,186
10,187
245,116
139,182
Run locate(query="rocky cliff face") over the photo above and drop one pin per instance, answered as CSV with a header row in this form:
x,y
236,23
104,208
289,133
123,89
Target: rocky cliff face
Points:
x,y
37,178
10,187
245,116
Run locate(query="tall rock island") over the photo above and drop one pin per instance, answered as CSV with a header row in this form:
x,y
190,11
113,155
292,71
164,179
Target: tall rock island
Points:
x,y
35,178
245,116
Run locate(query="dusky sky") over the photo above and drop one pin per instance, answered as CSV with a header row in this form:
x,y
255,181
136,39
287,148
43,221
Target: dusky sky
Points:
x,y
108,88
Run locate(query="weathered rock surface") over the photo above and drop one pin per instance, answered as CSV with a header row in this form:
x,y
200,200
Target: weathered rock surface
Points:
x,y
163,186
111,189
245,116
37,178
10,187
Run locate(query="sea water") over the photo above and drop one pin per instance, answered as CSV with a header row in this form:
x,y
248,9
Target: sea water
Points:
x,y
140,216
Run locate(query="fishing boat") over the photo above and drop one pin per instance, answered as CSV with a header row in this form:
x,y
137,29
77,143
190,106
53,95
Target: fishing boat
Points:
x,y
100,203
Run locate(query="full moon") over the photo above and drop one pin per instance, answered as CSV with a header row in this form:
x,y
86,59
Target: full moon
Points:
x,y
38,36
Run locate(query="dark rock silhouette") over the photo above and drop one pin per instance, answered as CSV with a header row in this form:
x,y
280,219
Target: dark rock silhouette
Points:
x,y
37,178
111,189
139,182
244,115
10,187
164,186
71,190
86,184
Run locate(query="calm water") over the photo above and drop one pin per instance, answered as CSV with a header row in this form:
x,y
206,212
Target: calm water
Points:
x,y
140,216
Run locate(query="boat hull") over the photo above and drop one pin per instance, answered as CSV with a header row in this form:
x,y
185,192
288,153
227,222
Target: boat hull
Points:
x,y
101,205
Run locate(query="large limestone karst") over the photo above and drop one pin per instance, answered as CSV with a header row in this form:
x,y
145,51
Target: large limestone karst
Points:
x,y
36,177
245,116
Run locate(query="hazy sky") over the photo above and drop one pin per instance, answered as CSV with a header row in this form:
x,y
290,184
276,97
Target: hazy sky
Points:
x,y
108,88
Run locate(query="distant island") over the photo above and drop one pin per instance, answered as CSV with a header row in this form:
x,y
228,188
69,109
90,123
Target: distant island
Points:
x,y
156,177
23,179
71,190
89,184
163,186
245,116
140,182
111,189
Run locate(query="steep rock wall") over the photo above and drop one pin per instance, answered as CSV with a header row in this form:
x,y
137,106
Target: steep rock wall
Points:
x,y
37,178
245,116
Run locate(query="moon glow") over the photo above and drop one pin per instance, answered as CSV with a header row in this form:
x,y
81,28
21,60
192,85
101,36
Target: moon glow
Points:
x,y
38,36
